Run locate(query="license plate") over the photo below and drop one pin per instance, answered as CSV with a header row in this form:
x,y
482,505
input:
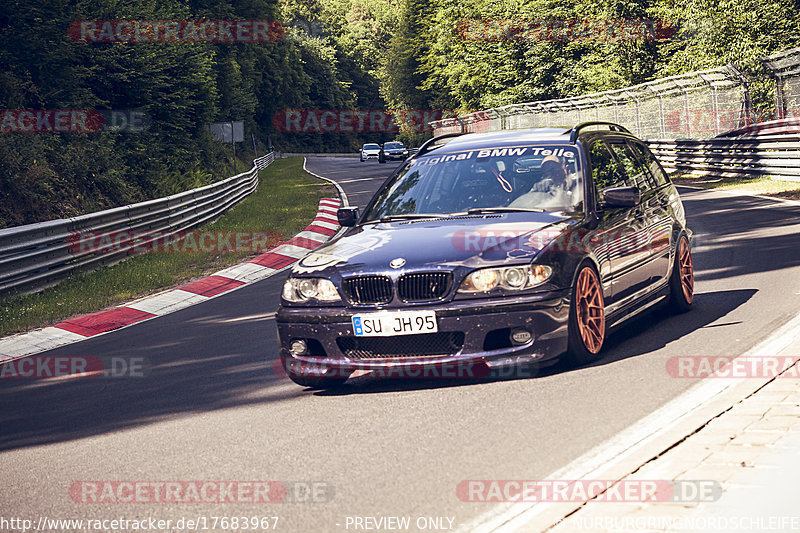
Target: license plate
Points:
x,y
388,323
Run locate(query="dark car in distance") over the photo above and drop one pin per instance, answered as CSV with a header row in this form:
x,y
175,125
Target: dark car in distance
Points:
x,y
499,248
391,151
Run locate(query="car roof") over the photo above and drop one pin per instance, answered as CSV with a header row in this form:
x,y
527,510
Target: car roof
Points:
x,y
506,138
471,141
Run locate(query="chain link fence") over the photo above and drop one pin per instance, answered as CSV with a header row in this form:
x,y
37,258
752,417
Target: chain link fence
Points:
x,y
697,105
785,68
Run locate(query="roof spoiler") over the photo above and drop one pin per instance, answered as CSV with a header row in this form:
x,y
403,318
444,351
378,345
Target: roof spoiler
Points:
x,y
573,133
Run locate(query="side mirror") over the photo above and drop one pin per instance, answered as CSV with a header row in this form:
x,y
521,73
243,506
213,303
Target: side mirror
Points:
x,y
621,197
347,216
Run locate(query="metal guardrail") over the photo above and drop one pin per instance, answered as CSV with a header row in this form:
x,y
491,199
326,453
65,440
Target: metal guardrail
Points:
x,y
35,256
770,148
264,161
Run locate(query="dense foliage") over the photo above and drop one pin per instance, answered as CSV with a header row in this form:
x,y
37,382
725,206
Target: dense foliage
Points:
x,y
444,68
336,55
180,87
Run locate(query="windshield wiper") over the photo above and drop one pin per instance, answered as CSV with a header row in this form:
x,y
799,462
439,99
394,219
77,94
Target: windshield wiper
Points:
x,y
390,218
481,210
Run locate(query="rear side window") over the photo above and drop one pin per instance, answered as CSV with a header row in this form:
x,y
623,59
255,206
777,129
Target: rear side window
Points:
x,y
636,171
647,157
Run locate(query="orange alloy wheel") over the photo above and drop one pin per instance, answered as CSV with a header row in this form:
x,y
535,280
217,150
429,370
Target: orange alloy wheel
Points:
x,y
686,270
590,312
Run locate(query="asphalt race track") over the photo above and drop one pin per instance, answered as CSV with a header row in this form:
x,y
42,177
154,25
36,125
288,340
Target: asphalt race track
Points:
x,y
211,405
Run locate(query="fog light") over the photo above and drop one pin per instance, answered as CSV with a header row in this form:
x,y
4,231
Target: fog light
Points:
x,y
298,347
521,336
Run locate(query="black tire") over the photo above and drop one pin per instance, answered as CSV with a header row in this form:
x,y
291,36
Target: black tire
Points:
x,y
586,330
336,379
681,280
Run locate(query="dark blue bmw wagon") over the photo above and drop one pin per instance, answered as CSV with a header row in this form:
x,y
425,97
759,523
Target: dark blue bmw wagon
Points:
x,y
500,248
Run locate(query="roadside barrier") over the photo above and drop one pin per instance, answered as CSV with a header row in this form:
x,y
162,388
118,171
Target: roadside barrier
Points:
x,y
35,256
770,148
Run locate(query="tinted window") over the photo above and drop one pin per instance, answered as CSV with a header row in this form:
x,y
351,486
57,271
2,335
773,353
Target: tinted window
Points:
x,y
371,147
638,175
392,145
647,157
607,172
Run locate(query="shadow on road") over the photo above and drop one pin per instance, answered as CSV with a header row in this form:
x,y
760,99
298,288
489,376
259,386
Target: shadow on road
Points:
x,y
207,357
648,333
741,235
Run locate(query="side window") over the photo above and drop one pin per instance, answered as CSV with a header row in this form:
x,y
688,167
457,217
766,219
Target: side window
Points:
x,y
639,175
606,170
646,156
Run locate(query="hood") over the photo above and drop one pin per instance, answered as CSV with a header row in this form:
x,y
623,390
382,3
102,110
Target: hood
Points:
x,y
470,240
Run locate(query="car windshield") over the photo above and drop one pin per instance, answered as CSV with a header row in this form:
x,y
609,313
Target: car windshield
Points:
x,y
540,178
393,146
371,147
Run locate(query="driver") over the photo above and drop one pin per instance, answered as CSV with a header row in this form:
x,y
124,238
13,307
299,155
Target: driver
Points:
x,y
554,190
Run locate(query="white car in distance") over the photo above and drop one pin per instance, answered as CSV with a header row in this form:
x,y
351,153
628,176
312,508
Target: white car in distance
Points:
x,y
370,151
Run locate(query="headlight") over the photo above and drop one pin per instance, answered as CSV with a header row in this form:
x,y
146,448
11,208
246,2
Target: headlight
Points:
x,y
512,278
305,289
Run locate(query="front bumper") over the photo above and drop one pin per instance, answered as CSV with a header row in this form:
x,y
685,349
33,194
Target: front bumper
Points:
x,y
544,315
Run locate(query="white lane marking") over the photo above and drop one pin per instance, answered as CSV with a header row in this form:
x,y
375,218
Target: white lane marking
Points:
x,y
515,516
352,180
342,195
248,318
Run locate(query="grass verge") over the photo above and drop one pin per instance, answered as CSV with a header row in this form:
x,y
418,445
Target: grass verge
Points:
x,y
285,202
759,185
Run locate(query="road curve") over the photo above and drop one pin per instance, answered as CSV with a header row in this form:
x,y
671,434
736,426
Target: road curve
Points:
x,y
212,407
